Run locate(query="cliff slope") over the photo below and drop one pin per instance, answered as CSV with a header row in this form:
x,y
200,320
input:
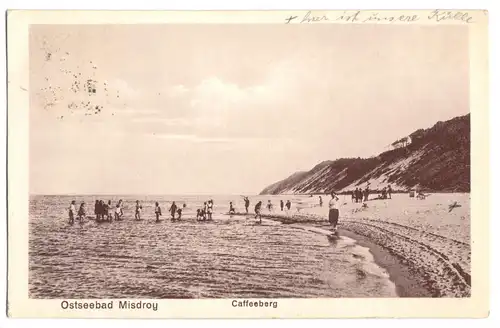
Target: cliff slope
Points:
x,y
434,159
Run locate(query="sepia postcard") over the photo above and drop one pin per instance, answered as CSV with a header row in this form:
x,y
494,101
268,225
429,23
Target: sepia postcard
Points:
x,y
248,164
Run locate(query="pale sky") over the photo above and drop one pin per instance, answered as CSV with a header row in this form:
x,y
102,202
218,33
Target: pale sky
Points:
x,y
229,109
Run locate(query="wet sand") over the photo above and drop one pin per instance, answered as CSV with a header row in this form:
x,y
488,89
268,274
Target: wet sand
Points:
x,y
408,283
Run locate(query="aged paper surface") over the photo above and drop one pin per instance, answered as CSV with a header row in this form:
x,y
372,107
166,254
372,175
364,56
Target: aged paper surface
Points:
x,y
149,154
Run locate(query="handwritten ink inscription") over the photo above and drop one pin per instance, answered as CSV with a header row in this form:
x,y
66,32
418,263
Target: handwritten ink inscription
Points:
x,y
367,17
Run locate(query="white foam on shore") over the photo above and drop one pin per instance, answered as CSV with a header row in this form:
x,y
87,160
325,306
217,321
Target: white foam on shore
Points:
x,y
362,255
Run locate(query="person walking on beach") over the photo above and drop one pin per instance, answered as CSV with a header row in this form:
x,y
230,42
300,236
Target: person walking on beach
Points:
x,y
389,192
257,211
282,204
138,209
247,203
356,192
157,211
288,204
367,193
231,208
269,205
72,212
333,214
320,201
173,210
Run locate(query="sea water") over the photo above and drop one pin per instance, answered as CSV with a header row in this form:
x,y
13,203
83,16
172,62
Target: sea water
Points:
x,y
230,257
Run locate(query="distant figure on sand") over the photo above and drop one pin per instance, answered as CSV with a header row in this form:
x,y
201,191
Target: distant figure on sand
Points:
x,y
257,211
82,212
138,209
288,205
389,192
367,193
231,208
353,196
333,215
320,201
157,211
269,206
247,203
282,204
173,210
72,212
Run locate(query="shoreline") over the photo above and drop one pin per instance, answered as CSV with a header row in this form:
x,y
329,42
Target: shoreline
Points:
x,y
408,283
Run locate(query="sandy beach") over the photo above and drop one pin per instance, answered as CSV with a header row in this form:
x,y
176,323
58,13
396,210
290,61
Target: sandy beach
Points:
x,y
423,244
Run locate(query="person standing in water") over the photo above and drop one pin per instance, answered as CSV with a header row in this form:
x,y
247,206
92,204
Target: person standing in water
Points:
x,y
210,208
82,212
110,211
96,211
173,210
118,211
257,211
138,209
333,215
282,204
247,203
231,208
157,211
179,212
72,212
204,211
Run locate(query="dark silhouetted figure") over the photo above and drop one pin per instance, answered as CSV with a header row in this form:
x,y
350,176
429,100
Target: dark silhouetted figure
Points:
x,y
157,211
247,203
173,210
257,211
